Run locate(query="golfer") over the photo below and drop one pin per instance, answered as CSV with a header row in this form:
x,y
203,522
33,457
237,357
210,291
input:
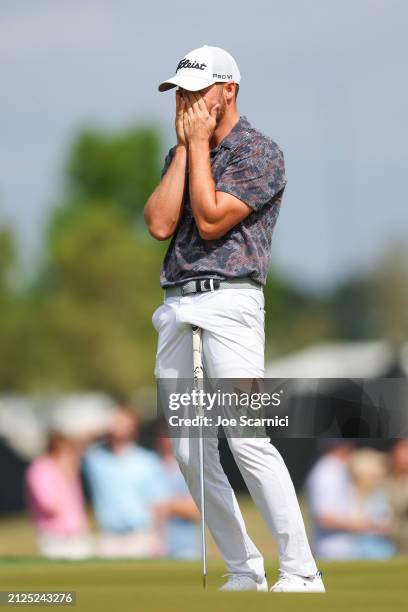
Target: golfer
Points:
x,y
218,200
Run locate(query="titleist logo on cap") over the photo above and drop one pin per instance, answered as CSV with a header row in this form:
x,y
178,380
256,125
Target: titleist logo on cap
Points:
x,y
186,63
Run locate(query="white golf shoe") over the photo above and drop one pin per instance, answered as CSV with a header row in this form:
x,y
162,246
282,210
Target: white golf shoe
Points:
x,y
241,582
290,583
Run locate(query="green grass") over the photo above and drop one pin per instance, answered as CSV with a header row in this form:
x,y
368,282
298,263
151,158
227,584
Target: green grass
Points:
x,y
165,586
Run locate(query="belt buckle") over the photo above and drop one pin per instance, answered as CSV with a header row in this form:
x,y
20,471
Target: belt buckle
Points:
x,y
210,284
201,286
183,294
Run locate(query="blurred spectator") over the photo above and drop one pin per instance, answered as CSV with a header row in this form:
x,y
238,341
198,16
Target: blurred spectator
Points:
x,y
329,490
398,491
178,515
368,469
349,505
125,482
55,501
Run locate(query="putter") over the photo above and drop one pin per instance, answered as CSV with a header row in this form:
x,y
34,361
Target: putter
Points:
x,y
198,384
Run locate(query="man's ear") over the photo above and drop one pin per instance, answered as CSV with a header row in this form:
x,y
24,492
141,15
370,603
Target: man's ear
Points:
x,y
230,90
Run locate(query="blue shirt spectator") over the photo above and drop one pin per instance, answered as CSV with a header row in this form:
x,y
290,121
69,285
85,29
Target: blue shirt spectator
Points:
x,y
182,534
124,486
329,491
178,515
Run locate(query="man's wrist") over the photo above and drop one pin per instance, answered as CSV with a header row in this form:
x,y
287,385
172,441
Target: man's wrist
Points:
x,y
181,154
198,144
181,149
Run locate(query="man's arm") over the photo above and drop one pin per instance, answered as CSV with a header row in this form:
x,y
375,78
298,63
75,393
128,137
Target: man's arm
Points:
x,y
215,212
350,524
181,506
247,184
165,206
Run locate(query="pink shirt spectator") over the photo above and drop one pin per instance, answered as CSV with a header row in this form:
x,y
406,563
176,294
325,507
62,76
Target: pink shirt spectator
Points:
x,y
55,501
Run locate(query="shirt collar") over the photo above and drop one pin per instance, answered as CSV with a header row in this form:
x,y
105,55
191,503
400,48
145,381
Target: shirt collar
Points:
x,y
234,135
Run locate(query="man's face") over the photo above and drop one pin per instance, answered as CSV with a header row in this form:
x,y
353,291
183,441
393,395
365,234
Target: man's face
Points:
x,y
212,95
399,457
123,427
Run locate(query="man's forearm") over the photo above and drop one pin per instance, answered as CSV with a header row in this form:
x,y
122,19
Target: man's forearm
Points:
x,y
201,185
164,207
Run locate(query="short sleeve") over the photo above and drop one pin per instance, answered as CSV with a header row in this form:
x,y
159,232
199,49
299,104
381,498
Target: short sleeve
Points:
x,y
42,487
328,490
255,173
167,161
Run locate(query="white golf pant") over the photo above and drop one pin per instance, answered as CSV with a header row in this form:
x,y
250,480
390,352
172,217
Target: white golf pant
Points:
x,y
232,321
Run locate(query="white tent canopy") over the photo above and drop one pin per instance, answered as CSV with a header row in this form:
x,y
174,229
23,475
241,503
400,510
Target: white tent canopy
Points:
x,y
335,360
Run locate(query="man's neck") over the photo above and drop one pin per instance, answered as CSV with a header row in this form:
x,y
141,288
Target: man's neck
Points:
x,y
223,128
118,447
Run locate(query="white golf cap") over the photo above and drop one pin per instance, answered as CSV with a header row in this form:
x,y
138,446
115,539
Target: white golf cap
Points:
x,y
203,67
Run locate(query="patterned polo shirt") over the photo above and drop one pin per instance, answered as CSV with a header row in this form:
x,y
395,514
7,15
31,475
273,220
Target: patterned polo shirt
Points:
x,y
250,166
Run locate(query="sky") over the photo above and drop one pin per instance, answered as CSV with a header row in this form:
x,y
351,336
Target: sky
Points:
x,y
326,79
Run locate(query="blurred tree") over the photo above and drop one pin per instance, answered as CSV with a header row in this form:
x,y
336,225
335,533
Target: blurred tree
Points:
x,y
105,290
100,282
13,315
7,258
389,282
85,322
294,318
120,169
351,304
